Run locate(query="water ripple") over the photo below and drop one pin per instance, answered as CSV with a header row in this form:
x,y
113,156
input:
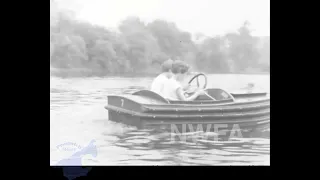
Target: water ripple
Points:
x,y
77,115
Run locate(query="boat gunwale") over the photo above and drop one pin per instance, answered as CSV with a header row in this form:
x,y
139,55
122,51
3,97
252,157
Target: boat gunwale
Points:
x,y
259,122
159,108
189,105
148,115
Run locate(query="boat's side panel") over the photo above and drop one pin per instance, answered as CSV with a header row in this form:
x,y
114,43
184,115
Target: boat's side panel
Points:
x,y
141,120
126,119
123,102
143,104
248,95
206,104
206,109
233,115
207,125
199,120
155,103
144,112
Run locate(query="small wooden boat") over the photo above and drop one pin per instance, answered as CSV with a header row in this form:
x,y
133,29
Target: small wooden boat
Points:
x,y
146,109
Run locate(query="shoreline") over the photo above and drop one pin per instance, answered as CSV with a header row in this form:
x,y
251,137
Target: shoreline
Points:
x,y
83,72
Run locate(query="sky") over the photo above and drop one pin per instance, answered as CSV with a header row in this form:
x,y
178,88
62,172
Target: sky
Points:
x,y
210,17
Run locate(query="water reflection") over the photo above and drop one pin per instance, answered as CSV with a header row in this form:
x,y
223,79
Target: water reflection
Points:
x,y
152,146
77,115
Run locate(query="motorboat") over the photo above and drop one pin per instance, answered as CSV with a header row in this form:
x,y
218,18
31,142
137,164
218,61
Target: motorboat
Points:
x,y
217,108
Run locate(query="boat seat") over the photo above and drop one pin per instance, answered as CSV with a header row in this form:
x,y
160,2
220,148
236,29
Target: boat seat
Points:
x,y
219,94
151,94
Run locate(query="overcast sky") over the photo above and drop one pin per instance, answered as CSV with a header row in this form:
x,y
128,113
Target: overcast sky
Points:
x,y
211,17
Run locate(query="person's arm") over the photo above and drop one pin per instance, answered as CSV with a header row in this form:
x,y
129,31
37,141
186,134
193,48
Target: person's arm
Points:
x,y
181,96
186,87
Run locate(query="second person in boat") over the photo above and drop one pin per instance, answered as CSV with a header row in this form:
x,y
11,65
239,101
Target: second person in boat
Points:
x,y
157,85
158,82
173,88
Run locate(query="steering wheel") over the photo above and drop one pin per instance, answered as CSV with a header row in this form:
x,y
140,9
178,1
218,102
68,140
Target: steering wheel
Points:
x,y
197,76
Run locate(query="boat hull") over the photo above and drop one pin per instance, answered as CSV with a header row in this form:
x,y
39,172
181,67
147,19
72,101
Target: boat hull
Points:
x,y
145,110
190,125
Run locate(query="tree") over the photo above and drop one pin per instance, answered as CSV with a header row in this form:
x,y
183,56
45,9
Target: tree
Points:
x,y
243,48
171,40
211,58
141,48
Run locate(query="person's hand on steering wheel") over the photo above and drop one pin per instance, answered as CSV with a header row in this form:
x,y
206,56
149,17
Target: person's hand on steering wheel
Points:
x,y
186,87
201,91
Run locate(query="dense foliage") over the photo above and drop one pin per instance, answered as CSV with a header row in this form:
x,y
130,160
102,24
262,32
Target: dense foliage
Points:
x,y
140,48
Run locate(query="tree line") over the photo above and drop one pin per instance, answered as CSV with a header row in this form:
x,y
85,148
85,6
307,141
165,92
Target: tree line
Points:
x,y
139,47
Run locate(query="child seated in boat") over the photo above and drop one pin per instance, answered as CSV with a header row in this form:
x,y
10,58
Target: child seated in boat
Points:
x,y
173,89
158,82
248,88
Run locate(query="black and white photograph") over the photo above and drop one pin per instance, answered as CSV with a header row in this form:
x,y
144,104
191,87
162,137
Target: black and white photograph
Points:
x,y
159,83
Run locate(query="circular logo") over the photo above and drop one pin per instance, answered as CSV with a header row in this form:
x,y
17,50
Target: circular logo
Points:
x,y
69,146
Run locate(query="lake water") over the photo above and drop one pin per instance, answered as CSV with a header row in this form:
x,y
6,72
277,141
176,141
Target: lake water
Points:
x,y
77,116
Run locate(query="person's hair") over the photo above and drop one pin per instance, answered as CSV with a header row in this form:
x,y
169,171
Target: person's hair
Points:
x,y
166,65
180,67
